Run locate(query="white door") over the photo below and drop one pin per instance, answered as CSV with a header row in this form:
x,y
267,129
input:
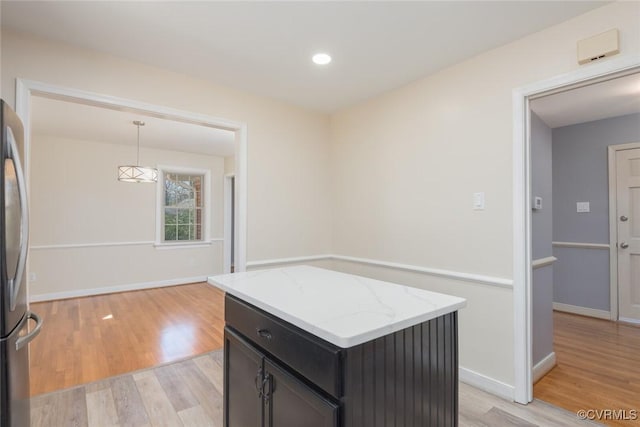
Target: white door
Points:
x,y
628,219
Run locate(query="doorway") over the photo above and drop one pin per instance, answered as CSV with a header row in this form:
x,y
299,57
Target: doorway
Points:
x,y
26,89
523,201
569,144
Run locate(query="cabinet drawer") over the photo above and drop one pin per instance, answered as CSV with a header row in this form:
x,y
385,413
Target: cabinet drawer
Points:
x,y
311,357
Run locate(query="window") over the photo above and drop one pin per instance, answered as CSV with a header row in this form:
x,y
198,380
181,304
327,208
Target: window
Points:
x,y
183,209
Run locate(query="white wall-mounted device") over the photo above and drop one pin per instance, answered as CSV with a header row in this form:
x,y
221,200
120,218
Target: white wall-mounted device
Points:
x,y
599,46
537,203
583,207
478,201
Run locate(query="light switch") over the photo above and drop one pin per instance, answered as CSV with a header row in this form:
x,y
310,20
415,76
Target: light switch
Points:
x,y
478,201
582,207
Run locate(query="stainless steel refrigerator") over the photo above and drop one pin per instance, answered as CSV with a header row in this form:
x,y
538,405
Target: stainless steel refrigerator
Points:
x,y
15,334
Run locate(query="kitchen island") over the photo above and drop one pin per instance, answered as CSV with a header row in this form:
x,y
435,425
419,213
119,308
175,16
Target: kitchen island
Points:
x,y
311,347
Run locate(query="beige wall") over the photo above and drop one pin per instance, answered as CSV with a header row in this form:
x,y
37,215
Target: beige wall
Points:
x,y
288,202
405,166
76,199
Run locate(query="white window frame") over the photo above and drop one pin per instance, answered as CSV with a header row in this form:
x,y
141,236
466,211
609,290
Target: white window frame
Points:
x,y
207,221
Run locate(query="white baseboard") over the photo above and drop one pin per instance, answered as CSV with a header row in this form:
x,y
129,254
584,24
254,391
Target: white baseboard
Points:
x,y
486,383
114,289
583,311
545,365
629,320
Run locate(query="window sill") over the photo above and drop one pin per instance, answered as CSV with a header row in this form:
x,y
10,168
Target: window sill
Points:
x,y
183,245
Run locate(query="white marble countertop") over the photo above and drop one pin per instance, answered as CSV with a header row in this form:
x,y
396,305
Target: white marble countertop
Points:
x,y
344,309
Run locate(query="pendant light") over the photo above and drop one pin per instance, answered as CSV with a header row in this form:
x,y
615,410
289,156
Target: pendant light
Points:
x,y
137,173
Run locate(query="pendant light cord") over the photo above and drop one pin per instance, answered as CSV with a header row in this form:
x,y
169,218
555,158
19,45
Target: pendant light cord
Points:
x,y
138,155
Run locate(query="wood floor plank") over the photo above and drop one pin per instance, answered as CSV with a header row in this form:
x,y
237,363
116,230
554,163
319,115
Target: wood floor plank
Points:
x,y
203,389
156,403
212,369
176,388
127,401
101,409
65,408
90,338
196,417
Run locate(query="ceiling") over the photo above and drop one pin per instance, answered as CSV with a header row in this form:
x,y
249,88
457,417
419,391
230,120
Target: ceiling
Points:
x,y
266,47
612,98
82,122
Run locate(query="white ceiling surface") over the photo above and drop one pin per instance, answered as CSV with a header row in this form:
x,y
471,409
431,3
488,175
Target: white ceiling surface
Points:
x,y
90,123
266,47
612,98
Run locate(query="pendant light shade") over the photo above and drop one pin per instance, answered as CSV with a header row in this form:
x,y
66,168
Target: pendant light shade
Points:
x,y
137,173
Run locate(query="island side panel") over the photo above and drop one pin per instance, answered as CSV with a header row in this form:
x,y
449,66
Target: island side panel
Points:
x,y
408,378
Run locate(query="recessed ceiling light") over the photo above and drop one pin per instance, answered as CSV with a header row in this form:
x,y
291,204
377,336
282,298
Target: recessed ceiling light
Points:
x,y
321,58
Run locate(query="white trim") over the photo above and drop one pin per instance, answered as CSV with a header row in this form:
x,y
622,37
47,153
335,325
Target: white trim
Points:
x,y
543,262
579,245
582,311
240,187
486,383
467,277
522,201
226,252
523,385
292,260
115,289
186,245
628,320
89,245
456,275
112,244
613,223
26,88
541,368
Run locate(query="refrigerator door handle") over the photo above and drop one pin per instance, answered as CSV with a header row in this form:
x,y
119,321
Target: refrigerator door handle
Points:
x,y
15,283
22,341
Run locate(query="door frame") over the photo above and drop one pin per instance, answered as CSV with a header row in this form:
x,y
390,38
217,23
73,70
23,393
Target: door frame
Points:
x,y
228,179
587,74
613,224
25,89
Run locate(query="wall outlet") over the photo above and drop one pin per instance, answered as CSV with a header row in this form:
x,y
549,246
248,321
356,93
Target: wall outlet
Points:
x,y
33,277
583,207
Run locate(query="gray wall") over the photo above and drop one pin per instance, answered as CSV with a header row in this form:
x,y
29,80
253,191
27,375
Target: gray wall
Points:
x,y
581,276
542,226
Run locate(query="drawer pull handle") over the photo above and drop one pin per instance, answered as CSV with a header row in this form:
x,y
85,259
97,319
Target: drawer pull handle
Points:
x,y
264,333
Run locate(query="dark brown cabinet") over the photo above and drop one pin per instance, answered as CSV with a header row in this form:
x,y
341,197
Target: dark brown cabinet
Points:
x,y
243,369
278,375
263,394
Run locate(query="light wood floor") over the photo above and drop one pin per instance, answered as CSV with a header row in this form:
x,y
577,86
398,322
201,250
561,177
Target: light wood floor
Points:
x,y
189,394
598,366
107,337
87,339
